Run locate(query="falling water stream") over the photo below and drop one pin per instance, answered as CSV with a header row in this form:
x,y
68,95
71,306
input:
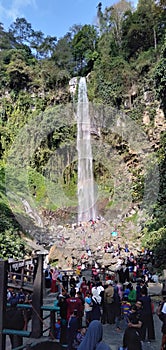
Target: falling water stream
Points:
x,y
86,193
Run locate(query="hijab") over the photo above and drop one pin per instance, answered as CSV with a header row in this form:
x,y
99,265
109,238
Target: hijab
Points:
x,y
93,337
95,295
164,308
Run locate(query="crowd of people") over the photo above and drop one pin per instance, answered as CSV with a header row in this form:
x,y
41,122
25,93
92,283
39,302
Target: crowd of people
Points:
x,y
125,305
16,318
86,304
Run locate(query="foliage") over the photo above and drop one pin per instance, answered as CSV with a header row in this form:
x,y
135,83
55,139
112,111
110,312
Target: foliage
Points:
x,y
84,45
12,246
160,77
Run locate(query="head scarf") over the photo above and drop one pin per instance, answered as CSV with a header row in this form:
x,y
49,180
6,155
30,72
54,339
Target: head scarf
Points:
x,y
164,308
92,337
95,295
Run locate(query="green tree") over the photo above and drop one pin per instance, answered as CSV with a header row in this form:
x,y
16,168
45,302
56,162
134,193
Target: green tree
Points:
x,y
141,29
18,71
21,30
84,46
37,39
7,40
160,77
115,16
63,55
47,47
11,245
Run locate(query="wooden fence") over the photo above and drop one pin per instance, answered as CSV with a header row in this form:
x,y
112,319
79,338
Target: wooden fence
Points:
x,y
38,320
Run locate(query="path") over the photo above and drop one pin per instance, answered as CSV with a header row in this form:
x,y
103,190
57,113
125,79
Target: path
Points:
x,y
115,339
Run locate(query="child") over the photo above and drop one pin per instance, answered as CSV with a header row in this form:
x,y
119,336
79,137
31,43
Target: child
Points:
x,y
79,337
72,329
88,308
125,309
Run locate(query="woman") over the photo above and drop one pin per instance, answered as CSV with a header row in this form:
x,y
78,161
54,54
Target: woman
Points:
x,y
161,312
88,308
54,275
93,338
96,302
131,338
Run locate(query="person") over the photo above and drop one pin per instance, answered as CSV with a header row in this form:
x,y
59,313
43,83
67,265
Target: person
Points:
x,y
48,277
96,302
63,314
88,307
54,275
81,314
72,329
28,311
108,302
143,287
83,287
74,303
139,305
14,319
72,283
93,338
117,308
127,289
147,317
59,285
21,296
65,281
132,296
79,337
161,312
131,338
125,309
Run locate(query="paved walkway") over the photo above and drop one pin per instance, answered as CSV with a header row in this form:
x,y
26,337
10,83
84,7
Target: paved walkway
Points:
x,y
115,339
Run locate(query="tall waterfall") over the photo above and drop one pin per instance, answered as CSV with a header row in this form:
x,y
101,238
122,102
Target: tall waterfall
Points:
x,y
86,196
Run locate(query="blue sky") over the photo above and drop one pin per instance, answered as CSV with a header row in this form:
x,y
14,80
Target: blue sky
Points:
x,y
52,17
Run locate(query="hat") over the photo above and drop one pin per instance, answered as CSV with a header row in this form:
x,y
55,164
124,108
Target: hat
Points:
x,y
108,282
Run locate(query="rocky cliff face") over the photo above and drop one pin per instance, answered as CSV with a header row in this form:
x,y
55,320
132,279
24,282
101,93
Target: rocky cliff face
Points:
x,y
124,169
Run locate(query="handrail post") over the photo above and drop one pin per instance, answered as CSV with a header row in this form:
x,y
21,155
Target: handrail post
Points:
x,y
22,277
52,324
3,300
37,300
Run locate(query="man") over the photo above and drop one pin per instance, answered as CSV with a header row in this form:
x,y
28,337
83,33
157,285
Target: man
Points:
x,y
74,303
131,337
161,312
65,281
108,302
147,317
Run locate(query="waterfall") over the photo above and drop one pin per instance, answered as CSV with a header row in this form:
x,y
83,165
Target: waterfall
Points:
x,y
85,189
32,213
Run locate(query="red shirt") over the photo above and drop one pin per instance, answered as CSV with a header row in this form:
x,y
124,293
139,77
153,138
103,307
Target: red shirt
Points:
x,y
74,303
83,288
